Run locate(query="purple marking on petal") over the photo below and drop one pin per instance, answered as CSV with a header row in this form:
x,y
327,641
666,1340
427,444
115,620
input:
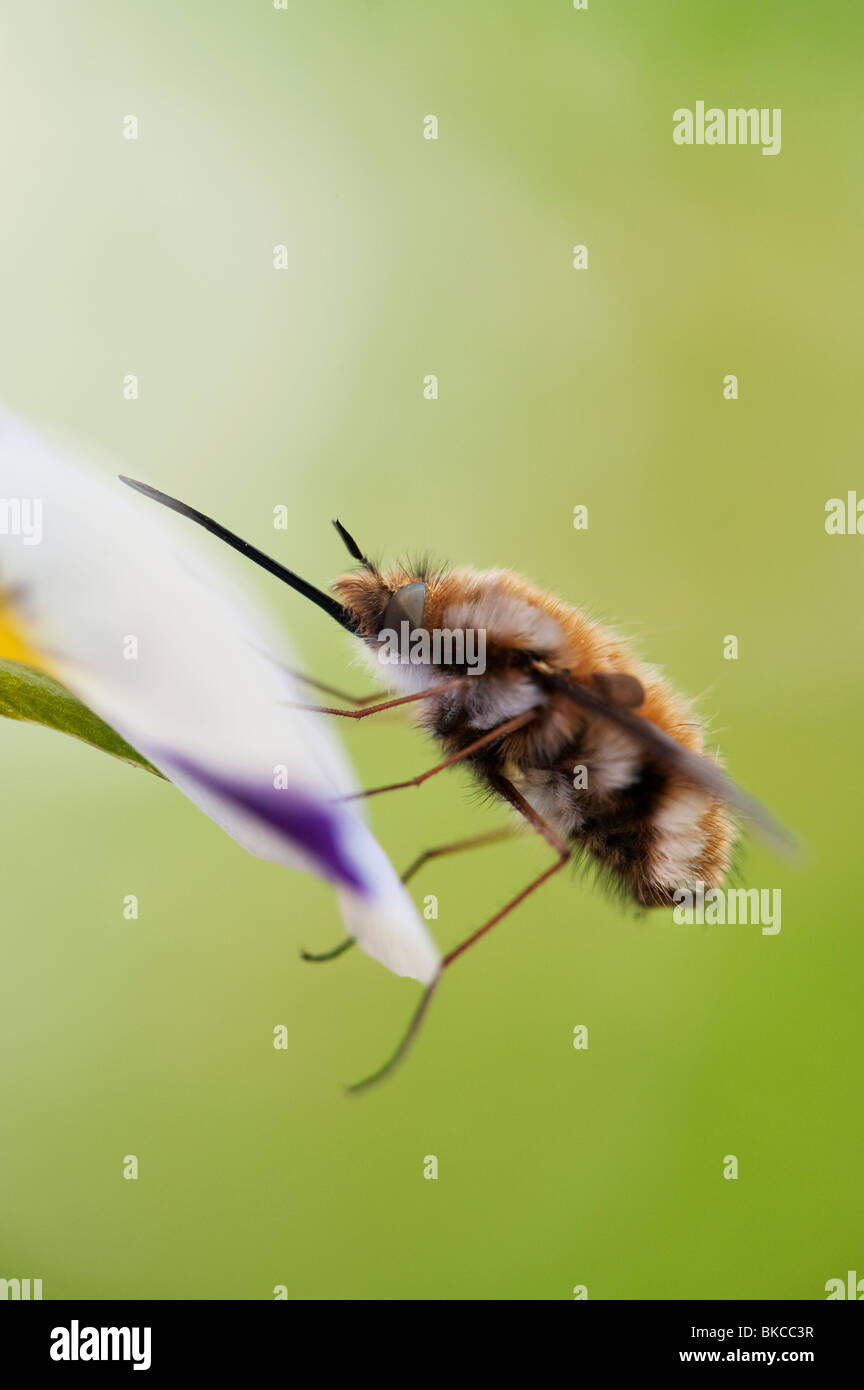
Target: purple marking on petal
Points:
x,y
308,822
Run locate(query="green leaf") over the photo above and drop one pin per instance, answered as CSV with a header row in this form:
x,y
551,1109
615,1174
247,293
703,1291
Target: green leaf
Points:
x,y
32,696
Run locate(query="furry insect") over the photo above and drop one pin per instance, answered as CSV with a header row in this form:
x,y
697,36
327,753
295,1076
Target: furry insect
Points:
x,y
559,695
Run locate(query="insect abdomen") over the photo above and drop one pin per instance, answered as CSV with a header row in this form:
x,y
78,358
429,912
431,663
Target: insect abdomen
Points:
x,y
649,830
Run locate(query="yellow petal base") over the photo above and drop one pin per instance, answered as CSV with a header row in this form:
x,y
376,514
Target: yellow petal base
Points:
x,y
13,642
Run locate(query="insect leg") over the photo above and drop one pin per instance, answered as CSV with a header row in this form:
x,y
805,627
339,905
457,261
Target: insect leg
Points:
x,y
404,1047
474,841
332,689
491,737
377,709
563,850
515,798
329,955
506,832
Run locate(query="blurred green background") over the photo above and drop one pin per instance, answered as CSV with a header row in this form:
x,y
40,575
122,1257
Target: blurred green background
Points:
x,y
304,386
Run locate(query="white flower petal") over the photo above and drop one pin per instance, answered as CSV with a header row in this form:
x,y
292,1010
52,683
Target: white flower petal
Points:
x,y
207,688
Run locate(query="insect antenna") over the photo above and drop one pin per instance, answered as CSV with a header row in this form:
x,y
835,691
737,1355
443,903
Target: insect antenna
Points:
x,y
323,601
352,547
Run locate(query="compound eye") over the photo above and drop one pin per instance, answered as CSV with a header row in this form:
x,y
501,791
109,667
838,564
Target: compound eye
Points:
x,y
407,605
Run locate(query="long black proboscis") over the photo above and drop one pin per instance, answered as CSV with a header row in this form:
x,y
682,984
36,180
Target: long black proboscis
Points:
x,y
322,600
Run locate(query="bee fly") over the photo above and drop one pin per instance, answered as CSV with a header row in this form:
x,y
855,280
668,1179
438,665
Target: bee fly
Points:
x,y
591,748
